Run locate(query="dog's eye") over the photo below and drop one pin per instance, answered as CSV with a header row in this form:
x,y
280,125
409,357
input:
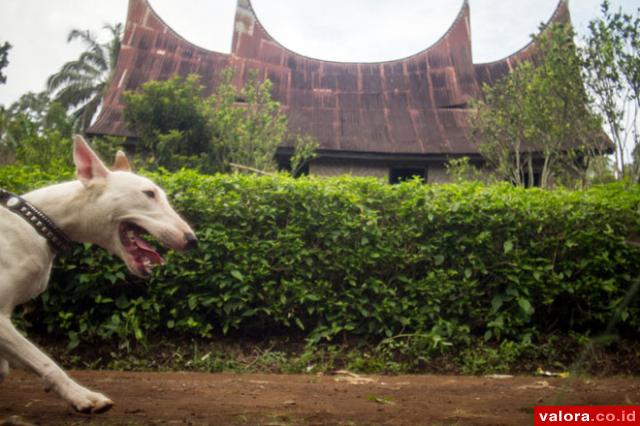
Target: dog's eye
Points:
x,y
149,194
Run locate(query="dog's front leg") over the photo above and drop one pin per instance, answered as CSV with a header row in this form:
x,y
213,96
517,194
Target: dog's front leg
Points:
x,y
16,348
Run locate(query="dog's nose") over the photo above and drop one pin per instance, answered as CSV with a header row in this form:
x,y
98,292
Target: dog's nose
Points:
x,y
192,241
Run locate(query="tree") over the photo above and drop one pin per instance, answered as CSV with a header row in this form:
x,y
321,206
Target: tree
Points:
x,y
180,127
4,60
247,125
538,116
37,107
461,169
612,74
171,118
80,84
37,131
304,150
496,126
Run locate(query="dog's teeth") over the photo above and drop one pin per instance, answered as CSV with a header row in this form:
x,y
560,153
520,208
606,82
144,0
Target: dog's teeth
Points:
x,y
148,266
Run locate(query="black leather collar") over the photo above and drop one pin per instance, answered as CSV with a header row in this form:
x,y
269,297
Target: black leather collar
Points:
x,y
57,239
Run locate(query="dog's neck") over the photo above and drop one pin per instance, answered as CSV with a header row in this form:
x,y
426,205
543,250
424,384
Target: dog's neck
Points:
x,y
71,207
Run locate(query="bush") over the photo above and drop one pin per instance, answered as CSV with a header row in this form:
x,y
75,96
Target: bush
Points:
x,y
357,257
178,126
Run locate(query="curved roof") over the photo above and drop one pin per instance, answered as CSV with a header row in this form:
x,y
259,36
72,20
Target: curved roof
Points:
x,y
415,105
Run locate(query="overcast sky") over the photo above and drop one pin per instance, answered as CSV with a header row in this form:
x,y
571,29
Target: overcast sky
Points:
x,y
341,30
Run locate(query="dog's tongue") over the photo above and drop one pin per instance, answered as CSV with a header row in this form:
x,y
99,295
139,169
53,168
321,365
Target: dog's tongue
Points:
x,y
149,252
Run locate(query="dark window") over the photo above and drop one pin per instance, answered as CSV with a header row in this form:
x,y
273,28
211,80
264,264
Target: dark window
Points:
x,y
402,174
284,166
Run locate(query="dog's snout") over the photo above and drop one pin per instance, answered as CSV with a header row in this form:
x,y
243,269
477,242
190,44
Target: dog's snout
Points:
x,y
191,241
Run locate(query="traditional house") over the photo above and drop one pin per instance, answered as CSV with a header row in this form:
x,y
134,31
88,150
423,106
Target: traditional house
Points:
x,y
389,119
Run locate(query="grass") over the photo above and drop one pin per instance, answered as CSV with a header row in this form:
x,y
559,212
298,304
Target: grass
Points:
x,y
290,356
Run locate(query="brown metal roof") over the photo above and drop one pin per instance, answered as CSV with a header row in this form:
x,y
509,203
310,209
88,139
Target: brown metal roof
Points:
x,y
415,105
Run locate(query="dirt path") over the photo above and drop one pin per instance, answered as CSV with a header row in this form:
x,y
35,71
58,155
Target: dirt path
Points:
x,y
255,399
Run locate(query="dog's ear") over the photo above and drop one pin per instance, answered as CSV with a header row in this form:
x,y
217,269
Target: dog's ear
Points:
x,y
122,163
88,165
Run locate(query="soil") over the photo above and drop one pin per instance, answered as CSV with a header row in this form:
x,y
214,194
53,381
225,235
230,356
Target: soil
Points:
x,y
341,399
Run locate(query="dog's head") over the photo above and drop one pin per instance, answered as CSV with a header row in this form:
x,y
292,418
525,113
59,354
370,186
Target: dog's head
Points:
x,y
130,206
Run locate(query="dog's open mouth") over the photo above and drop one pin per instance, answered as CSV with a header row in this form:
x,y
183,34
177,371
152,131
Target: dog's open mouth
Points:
x,y
143,257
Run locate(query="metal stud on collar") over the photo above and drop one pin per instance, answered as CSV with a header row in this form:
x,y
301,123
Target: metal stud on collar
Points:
x,y
12,202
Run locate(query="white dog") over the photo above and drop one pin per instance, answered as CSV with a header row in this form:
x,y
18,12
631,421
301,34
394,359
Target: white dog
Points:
x,y
107,208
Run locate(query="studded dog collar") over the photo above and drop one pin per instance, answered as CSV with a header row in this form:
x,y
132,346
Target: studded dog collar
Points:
x,y
58,241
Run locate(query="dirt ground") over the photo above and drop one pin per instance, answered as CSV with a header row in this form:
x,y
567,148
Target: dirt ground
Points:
x,y
341,399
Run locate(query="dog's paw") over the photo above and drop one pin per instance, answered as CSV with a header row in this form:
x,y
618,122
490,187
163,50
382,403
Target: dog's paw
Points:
x,y
84,401
4,369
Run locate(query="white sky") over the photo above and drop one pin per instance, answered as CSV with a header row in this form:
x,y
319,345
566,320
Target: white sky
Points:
x,y
342,30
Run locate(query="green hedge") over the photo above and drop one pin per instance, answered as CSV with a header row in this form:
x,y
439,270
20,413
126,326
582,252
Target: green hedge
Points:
x,y
357,257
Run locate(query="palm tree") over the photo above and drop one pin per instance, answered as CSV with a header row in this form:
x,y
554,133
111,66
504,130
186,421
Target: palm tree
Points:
x,y
80,84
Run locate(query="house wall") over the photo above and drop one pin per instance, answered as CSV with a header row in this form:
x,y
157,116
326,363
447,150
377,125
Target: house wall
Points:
x,y
436,172
339,168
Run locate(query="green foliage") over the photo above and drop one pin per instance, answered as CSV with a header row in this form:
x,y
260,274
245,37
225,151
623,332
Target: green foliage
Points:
x,y
246,123
21,179
4,60
420,268
414,351
36,131
108,146
612,74
539,114
462,170
304,150
179,127
484,359
171,119
50,150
